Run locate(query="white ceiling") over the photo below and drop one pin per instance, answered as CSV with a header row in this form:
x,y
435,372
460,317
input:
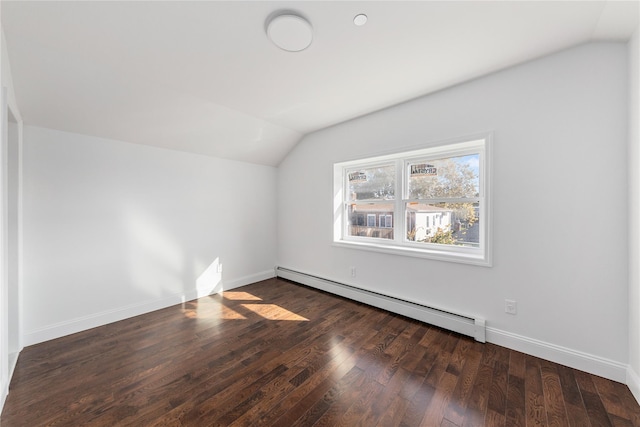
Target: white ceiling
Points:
x,y
203,77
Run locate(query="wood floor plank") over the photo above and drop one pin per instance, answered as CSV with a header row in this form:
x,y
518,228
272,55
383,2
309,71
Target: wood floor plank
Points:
x,y
515,410
414,412
332,396
517,364
373,407
576,411
498,391
340,402
363,400
394,415
535,411
615,398
553,397
495,419
595,408
597,414
478,399
276,353
448,423
620,422
308,391
400,350
435,412
457,408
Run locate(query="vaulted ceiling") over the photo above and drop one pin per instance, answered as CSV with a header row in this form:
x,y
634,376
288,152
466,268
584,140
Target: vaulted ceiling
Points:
x,y
202,76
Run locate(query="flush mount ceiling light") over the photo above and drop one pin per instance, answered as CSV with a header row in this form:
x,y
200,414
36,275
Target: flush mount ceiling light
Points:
x,y
360,19
290,32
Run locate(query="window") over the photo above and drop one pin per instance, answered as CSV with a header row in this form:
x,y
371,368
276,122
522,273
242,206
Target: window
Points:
x,y
437,194
386,221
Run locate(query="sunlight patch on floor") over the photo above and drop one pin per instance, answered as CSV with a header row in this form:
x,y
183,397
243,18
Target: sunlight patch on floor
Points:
x,y
240,296
241,308
191,310
274,312
227,313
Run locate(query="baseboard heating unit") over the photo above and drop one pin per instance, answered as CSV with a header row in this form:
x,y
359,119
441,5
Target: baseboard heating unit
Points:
x,y
465,325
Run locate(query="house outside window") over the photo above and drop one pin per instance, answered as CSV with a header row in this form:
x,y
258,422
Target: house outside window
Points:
x,y
430,202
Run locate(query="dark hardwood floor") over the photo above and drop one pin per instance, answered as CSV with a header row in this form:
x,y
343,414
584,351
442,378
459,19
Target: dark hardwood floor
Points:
x,y
278,354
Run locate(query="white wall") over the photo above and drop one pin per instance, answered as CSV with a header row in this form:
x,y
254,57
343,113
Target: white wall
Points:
x,y
559,157
113,229
12,176
4,294
10,290
633,378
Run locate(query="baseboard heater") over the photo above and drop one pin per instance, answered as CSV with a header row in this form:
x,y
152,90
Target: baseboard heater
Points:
x,y
465,325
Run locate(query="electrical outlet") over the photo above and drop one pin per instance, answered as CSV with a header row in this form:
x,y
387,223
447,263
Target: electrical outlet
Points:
x,y
219,268
353,272
510,306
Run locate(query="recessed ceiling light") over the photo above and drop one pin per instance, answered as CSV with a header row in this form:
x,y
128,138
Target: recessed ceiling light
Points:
x,y
360,19
290,32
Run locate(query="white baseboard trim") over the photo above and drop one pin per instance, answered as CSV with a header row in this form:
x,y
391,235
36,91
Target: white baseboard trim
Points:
x,y
4,391
633,382
79,324
586,362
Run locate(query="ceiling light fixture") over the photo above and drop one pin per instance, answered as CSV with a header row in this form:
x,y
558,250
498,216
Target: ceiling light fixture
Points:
x,y
290,32
360,19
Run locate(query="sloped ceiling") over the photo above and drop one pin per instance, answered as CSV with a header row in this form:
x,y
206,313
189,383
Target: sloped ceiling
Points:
x,y
203,77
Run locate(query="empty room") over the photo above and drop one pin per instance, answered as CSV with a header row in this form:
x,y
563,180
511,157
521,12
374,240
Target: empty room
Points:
x,y
320,213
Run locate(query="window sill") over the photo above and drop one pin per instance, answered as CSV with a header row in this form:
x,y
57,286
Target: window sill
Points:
x,y
478,258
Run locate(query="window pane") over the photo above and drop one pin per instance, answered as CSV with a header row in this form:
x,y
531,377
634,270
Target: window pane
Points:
x,y
362,220
447,177
373,183
444,223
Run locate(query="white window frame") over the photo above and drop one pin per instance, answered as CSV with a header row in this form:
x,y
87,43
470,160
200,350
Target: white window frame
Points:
x,y
399,245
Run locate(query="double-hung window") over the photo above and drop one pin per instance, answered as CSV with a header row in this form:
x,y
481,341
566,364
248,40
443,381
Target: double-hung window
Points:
x,y
431,202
